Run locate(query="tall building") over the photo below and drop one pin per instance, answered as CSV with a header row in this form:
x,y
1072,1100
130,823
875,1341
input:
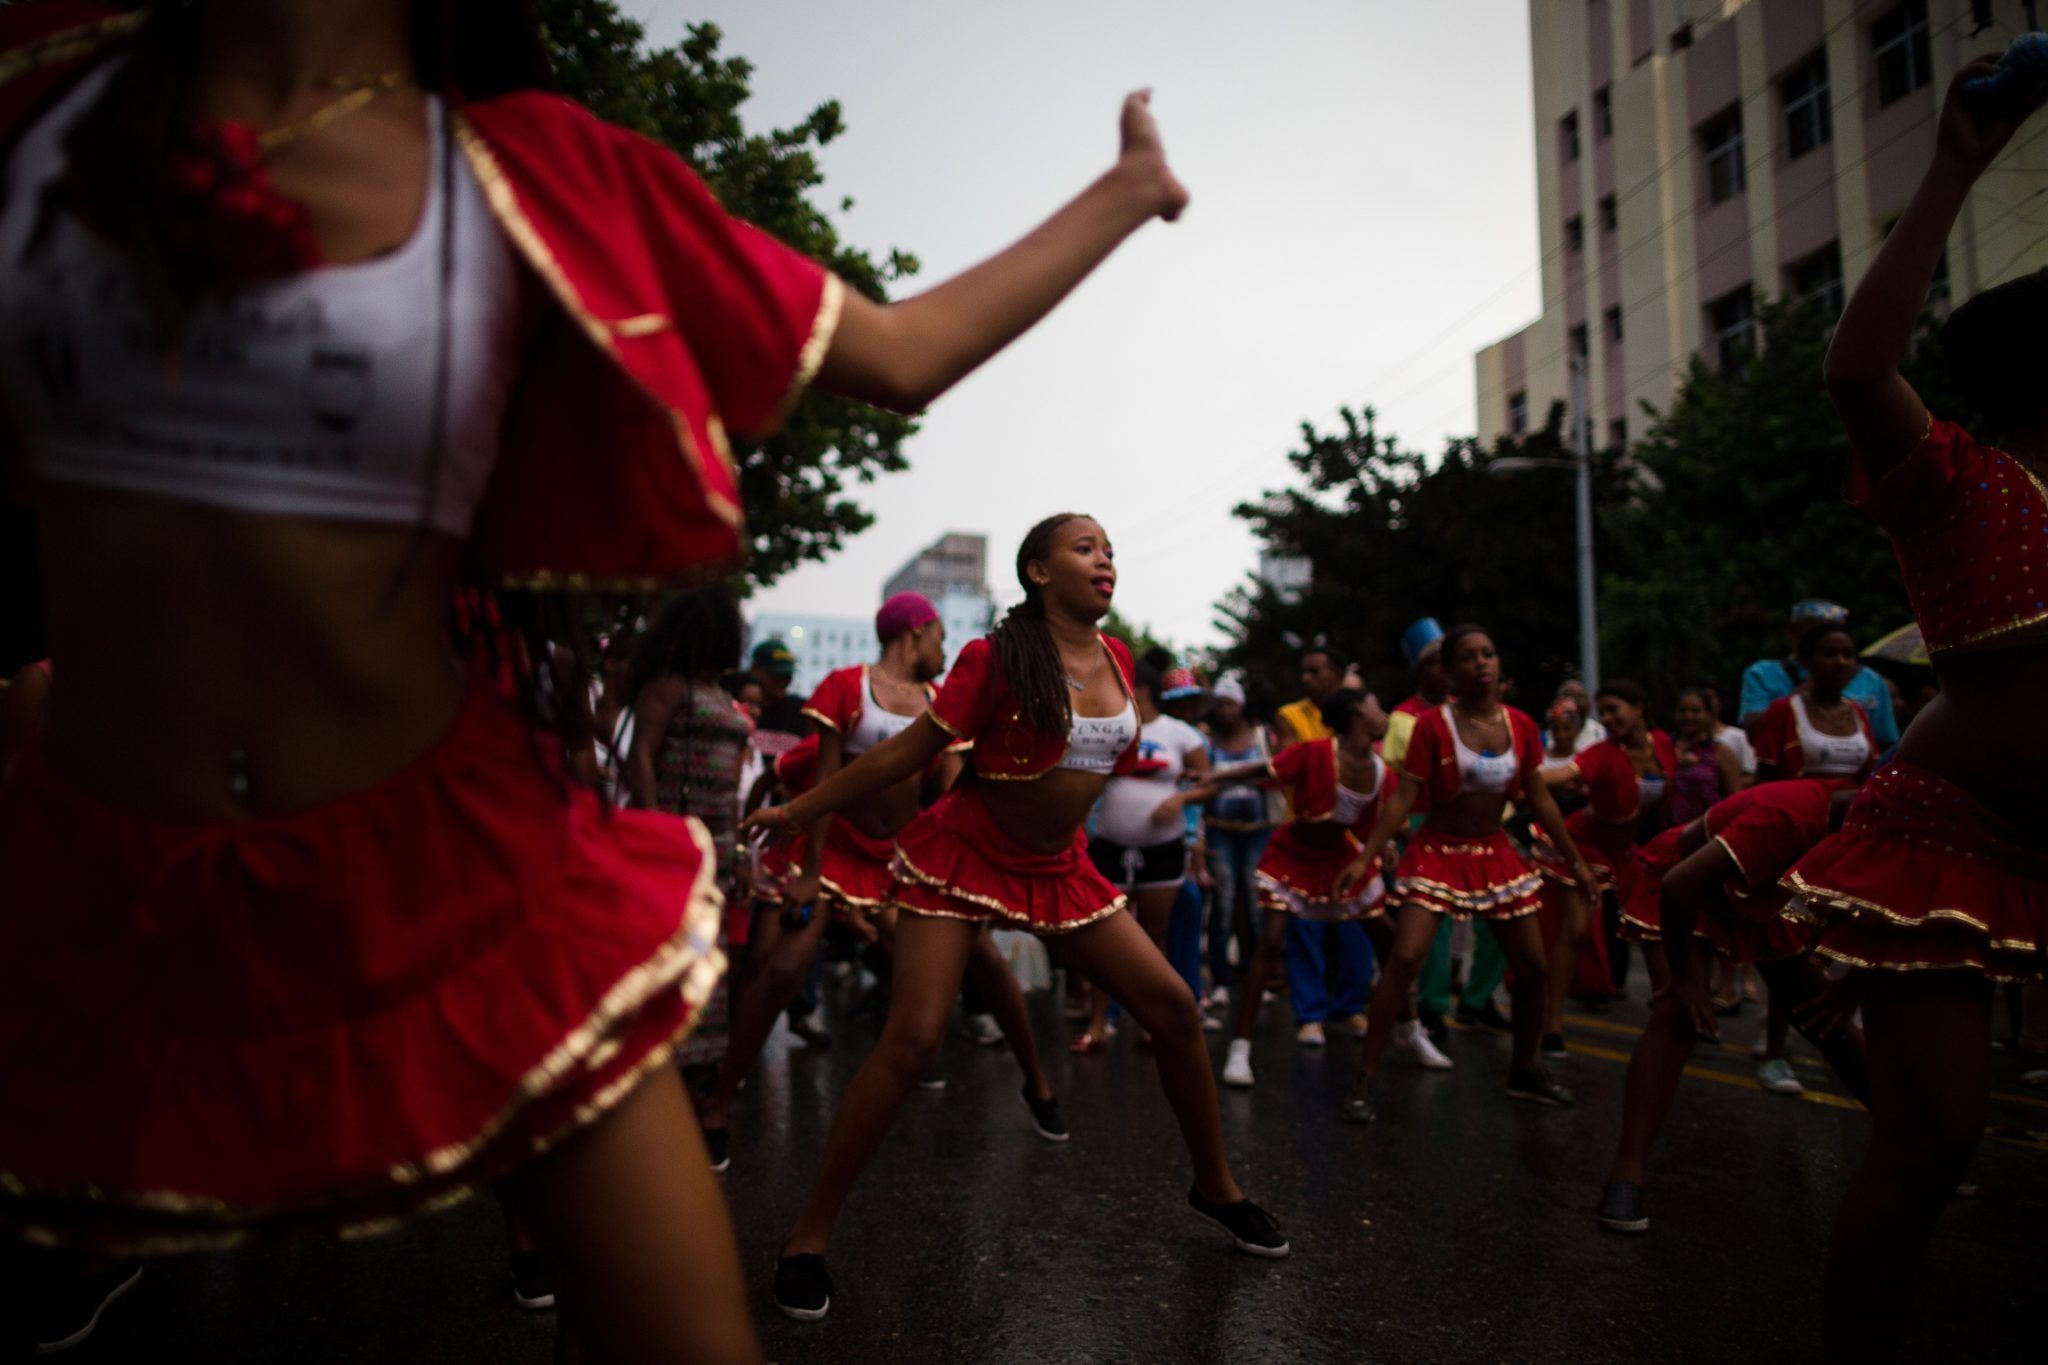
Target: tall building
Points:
x,y
953,572
1695,155
820,643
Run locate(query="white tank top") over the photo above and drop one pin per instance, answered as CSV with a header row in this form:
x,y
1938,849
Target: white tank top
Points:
x,y
1483,772
311,395
875,725
1095,742
1351,804
1829,755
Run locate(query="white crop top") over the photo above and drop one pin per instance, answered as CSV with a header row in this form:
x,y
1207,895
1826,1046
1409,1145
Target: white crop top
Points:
x,y
1829,755
875,725
1095,742
1650,789
1351,804
312,395
1482,772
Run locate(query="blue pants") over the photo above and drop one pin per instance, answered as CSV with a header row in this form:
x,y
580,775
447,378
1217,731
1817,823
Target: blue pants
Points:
x,y
1233,857
1308,972
1184,936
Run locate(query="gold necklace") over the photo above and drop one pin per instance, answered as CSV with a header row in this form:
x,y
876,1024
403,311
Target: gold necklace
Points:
x,y
366,89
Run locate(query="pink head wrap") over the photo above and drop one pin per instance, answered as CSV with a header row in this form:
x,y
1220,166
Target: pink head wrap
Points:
x,y
903,613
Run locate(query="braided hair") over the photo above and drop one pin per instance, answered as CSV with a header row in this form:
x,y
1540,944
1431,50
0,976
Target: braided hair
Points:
x,y
1029,656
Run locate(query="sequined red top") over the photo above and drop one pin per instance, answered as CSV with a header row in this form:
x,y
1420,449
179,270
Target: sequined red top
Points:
x,y
1766,829
1970,526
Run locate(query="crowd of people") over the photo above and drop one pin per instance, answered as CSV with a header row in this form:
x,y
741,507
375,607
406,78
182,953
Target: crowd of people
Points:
x,y
410,874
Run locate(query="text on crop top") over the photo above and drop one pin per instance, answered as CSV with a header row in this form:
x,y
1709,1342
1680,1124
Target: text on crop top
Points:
x,y
1094,743
1492,773
314,395
1829,755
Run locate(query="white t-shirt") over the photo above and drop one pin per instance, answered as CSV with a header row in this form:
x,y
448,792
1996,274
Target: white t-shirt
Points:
x,y
1128,803
1735,740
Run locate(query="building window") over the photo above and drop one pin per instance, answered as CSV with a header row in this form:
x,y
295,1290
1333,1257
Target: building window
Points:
x,y
1681,38
1617,434
1518,412
1579,342
1721,140
1899,49
1610,214
1575,232
1732,320
1817,280
1808,121
1603,113
1568,135
1613,317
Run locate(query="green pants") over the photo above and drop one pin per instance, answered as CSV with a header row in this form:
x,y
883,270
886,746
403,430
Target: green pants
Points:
x,y
1489,967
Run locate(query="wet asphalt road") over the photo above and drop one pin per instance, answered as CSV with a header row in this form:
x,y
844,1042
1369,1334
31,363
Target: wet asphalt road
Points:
x,y
1458,1228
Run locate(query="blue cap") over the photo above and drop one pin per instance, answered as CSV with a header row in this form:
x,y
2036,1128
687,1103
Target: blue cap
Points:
x,y
1420,639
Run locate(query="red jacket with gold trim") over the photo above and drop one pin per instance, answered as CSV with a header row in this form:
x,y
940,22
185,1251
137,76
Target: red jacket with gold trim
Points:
x,y
976,705
684,323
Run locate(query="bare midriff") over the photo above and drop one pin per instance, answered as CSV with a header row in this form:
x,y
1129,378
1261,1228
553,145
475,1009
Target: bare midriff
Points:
x,y
1042,813
1985,732
214,665
1468,815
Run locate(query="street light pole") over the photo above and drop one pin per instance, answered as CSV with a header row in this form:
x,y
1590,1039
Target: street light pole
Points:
x,y
1589,612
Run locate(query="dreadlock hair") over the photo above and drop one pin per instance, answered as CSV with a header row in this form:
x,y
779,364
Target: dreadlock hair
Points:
x,y
1029,656
698,635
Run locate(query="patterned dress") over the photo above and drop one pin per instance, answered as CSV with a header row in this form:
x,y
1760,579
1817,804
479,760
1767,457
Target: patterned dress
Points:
x,y
697,772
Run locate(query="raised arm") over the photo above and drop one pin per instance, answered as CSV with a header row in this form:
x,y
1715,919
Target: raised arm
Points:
x,y
888,763
903,355
1885,417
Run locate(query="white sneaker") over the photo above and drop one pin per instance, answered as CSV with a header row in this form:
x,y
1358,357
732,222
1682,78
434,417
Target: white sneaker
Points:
x,y
1211,1024
1309,1035
1412,1041
983,1029
1219,999
1776,1076
1237,1067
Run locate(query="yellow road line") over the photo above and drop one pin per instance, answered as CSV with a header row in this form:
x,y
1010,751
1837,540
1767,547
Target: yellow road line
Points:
x,y
1725,1078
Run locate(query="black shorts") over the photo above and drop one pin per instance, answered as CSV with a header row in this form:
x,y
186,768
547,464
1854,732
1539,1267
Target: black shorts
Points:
x,y
1140,869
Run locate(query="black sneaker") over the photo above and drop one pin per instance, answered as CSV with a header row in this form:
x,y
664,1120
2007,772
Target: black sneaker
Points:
x,y
1488,1016
1045,1116
532,1287
67,1307
1535,1084
1553,1046
1358,1109
718,1142
1249,1226
802,1288
1621,1208
1439,1032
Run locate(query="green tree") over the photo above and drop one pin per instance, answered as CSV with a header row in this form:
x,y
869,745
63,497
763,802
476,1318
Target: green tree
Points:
x,y
797,484
1740,513
1391,535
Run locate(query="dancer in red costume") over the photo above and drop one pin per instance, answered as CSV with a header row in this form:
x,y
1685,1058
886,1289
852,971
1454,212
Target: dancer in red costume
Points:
x,y
1937,884
1471,757
1047,702
845,860
1624,777
334,884
1818,732
1712,887
1334,788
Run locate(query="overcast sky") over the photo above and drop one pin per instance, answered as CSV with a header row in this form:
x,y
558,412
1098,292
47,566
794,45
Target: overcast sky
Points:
x,y
1363,220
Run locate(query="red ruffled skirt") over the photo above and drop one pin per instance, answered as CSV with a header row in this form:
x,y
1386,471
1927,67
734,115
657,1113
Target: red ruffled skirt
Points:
x,y
1299,876
1608,850
855,869
334,1018
1642,908
1922,876
954,861
1466,877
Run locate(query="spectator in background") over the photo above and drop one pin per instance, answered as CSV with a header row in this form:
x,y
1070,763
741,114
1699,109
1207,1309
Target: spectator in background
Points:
x,y
1591,731
1299,721
1733,738
1239,824
782,710
1766,680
